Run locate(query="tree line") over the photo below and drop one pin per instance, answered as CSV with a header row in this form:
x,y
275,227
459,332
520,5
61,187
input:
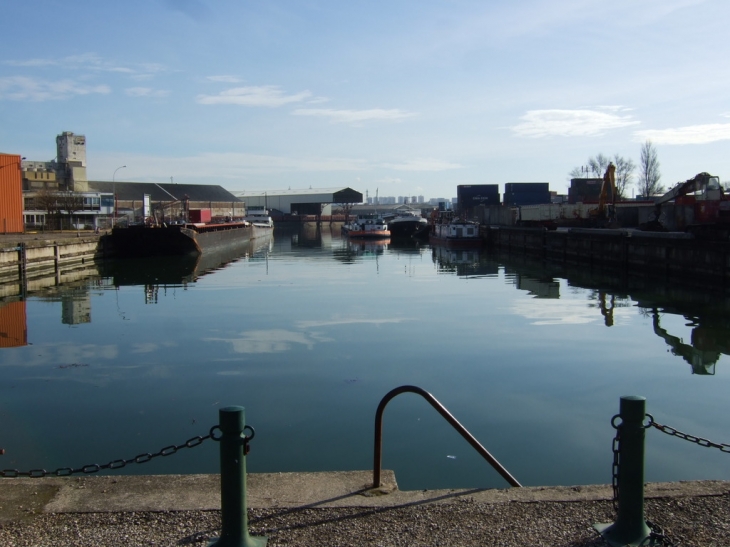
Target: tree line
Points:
x,y
648,174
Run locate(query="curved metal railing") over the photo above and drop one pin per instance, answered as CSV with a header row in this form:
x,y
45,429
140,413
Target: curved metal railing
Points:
x,y
378,447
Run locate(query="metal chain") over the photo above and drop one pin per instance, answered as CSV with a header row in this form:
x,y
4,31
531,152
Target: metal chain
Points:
x,y
657,536
616,448
115,464
691,438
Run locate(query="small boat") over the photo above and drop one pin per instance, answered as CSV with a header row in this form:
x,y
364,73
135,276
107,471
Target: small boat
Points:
x,y
406,224
259,217
369,225
452,231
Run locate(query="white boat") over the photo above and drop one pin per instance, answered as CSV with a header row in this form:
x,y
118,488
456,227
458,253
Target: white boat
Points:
x,y
370,225
259,217
452,231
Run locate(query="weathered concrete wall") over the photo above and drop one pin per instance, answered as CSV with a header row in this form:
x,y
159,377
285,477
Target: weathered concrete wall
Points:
x,y
677,255
33,265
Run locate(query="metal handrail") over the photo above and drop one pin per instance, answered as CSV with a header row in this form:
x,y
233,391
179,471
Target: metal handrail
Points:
x,y
378,445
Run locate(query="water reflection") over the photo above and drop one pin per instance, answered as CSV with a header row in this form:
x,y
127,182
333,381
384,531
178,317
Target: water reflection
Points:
x,y
703,351
300,333
13,327
464,262
160,273
706,312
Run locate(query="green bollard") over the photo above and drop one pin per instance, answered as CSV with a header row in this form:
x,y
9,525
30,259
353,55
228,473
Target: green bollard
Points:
x,y
630,528
234,516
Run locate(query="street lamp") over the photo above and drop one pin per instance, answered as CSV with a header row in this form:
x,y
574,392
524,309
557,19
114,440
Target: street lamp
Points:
x,y
114,191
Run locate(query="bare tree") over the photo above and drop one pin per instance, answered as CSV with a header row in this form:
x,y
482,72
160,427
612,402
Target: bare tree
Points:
x,y
624,173
596,168
47,200
598,164
649,174
70,202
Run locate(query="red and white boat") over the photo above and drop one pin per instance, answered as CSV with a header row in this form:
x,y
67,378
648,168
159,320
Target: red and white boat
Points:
x,y
371,226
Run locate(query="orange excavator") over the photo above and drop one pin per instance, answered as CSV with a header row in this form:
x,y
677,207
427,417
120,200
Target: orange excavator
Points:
x,y
605,213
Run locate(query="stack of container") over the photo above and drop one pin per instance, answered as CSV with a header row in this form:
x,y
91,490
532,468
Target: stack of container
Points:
x,y
470,196
584,190
526,193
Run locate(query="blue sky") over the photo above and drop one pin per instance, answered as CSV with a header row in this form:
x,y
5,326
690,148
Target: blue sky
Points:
x,y
406,97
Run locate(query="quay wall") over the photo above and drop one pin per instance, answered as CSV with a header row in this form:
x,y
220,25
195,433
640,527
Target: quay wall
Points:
x,y
29,265
674,255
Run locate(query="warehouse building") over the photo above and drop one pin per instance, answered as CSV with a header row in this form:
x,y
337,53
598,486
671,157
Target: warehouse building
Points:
x,y
312,201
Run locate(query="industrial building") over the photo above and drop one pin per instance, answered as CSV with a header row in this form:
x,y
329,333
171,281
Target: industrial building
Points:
x,y
312,201
11,194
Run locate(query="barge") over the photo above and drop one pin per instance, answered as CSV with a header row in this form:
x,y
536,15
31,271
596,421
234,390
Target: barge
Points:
x,y
181,239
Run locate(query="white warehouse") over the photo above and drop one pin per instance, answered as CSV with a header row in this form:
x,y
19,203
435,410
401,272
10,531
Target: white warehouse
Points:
x,y
312,201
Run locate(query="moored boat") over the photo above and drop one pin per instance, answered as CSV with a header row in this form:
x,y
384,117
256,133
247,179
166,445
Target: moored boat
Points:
x,y
259,217
406,224
453,231
370,225
179,239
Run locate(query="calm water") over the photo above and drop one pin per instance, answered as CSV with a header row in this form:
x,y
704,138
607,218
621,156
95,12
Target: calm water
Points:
x,y
308,333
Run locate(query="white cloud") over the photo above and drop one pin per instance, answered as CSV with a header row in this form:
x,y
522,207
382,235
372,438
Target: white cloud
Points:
x,y
355,116
146,92
691,134
571,123
423,164
266,95
22,88
224,78
266,341
354,321
90,62
147,347
562,312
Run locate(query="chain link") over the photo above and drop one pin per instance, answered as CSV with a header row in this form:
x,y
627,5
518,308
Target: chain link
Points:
x,y
616,448
691,438
657,534
114,464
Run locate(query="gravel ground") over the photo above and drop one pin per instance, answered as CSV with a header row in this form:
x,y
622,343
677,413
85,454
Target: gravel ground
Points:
x,y
687,522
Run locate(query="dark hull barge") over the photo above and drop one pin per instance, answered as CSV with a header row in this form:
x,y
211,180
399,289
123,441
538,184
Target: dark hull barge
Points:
x,y
180,239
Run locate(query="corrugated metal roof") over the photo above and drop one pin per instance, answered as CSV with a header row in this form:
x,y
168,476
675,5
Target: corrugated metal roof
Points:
x,y
163,191
290,192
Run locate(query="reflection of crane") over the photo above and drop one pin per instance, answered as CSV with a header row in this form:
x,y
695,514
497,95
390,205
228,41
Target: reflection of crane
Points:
x,y
701,358
606,312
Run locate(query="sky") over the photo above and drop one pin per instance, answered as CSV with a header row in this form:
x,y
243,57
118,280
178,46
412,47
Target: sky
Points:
x,y
398,97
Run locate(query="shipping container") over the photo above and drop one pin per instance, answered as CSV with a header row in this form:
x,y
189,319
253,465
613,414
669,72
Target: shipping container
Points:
x,y
584,190
11,195
515,187
470,196
526,198
199,215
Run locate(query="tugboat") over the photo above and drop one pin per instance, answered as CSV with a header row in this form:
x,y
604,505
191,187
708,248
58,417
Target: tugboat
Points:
x,y
449,230
370,225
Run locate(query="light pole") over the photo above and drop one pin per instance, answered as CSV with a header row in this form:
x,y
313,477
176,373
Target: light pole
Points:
x,y
114,191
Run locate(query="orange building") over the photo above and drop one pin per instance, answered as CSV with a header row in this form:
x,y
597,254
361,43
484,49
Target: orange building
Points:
x,y
11,195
